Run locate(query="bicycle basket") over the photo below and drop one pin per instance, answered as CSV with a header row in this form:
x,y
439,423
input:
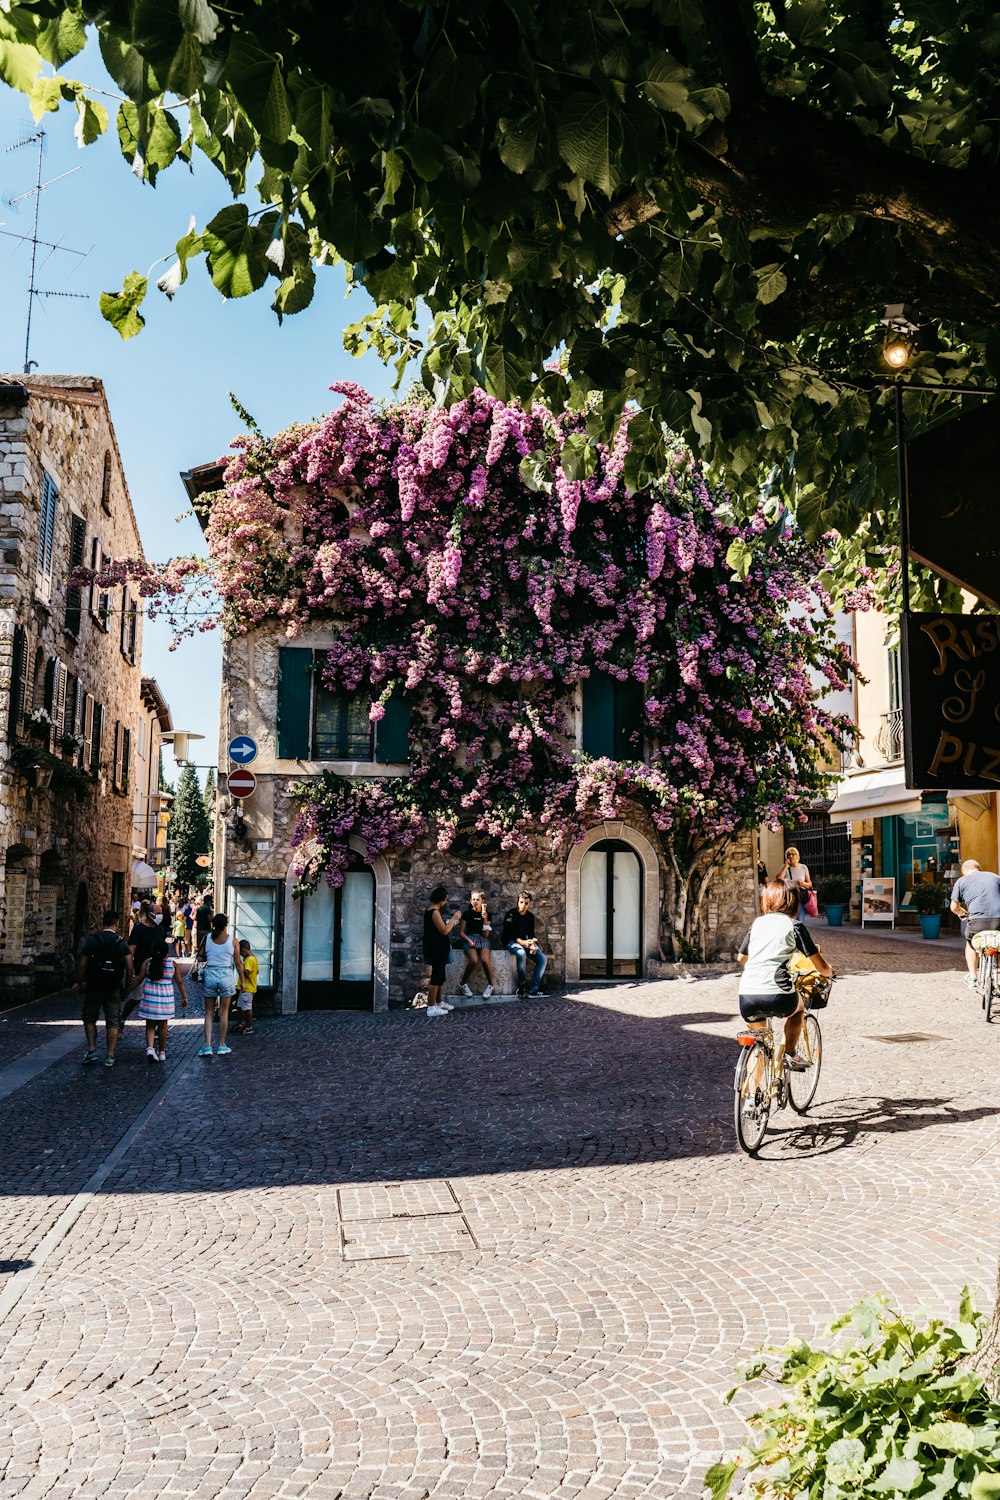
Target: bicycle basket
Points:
x,y
815,990
983,942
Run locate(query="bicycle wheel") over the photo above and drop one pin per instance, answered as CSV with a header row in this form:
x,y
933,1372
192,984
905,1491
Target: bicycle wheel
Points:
x,y
802,1086
990,986
752,1096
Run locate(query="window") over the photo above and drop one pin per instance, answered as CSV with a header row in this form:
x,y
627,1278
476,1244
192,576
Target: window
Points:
x,y
612,717
254,917
100,602
126,759
316,724
130,626
18,681
342,729
106,485
97,736
895,675
46,536
74,595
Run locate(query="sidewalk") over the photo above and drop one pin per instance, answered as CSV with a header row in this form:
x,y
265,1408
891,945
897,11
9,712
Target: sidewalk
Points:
x,y
893,935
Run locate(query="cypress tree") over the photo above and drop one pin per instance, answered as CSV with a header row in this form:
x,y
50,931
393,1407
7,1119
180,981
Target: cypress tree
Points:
x,y
190,830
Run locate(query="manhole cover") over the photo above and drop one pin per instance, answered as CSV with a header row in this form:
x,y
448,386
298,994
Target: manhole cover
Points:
x,y
910,1036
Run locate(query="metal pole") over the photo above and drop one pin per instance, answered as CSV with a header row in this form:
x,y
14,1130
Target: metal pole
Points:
x,y
904,518
34,251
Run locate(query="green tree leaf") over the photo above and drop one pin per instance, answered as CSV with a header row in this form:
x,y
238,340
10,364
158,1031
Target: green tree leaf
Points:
x,y
518,140
985,1487
235,248
901,1476
771,282
19,64
588,136
149,138
258,82
92,120
719,1479
121,309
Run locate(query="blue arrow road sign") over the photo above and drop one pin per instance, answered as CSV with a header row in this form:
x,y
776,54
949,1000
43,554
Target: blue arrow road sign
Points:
x,y
242,749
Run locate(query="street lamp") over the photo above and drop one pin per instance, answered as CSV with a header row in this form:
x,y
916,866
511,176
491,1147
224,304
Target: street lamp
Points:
x,y
898,345
178,740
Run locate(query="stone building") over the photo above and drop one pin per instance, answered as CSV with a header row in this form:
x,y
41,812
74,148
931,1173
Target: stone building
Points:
x,y
69,677
601,910
151,807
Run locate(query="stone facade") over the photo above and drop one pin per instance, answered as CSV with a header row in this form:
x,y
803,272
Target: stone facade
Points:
x,y
72,658
254,867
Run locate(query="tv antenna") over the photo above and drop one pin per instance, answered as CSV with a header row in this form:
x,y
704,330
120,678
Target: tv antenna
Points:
x,y
37,139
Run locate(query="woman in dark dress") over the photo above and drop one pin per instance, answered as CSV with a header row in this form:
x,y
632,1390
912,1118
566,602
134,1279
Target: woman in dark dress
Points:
x,y
437,948
475,933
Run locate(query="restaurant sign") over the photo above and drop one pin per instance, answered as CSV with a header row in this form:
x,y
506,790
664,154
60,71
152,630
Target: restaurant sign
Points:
x,y
471,842
952,701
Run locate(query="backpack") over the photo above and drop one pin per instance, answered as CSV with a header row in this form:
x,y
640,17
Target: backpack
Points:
x,y
105,962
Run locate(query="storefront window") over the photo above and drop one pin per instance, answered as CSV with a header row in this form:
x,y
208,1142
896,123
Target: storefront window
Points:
x,y
252,913
925,847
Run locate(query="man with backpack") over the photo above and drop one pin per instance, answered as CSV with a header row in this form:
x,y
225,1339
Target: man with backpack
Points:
x,y
103,963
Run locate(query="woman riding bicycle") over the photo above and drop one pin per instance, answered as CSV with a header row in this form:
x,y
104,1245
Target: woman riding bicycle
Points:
x,y
767,988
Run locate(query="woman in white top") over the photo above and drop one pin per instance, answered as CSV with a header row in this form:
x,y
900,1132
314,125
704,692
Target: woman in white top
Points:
x,y
795,874
220,953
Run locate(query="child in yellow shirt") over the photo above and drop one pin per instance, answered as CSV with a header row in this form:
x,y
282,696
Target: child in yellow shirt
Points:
x,y
244,1000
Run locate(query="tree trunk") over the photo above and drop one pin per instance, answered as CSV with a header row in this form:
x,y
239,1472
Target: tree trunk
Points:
x,y
986,1360
693,872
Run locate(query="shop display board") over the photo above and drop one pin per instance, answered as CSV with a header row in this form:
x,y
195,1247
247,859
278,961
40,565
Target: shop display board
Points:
x,y
12,921
878,900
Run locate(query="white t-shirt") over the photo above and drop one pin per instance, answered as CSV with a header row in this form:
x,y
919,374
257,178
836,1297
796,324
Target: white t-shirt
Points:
x,y
219,955
769,945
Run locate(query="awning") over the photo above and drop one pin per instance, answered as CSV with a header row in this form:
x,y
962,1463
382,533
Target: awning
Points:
x,y
874,794
143,875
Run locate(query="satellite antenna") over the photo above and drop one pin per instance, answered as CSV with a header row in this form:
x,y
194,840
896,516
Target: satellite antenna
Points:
x,y
37,138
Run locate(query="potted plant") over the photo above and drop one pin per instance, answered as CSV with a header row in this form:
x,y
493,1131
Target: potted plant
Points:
x,y
834,892
928,899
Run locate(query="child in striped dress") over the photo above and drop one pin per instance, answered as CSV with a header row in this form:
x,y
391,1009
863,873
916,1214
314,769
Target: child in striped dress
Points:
x,y
156,1006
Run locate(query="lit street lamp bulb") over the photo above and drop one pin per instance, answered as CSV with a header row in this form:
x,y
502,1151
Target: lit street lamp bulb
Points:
x,y
896,352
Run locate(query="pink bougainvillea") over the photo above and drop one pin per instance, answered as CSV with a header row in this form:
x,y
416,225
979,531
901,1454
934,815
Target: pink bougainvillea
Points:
x,y
482,563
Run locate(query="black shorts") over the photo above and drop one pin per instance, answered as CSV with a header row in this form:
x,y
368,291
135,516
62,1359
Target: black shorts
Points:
x,y
972,925
94,1001
438,967
768,1007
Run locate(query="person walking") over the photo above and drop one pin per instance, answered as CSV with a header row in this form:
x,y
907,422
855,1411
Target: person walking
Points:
x,y
103,964
437,947
180,930
220,954
975,897
475,931
156,981
202,922
143,938
796,876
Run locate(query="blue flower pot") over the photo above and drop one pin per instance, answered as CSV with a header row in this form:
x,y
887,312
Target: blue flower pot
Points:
x,y
835,914
930,926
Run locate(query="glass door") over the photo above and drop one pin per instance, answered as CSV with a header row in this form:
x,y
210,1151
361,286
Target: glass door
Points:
x,y
610,912
337,947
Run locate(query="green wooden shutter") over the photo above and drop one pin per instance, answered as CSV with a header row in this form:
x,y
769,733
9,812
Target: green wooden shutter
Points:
x,y
629,707
295,680
51,667
599,715
18,675
392,732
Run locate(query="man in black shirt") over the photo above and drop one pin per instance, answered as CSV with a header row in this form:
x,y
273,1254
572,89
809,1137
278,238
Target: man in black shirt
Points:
x,y
519,938
103,962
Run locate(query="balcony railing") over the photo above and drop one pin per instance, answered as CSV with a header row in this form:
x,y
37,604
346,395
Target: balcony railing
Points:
x,y
889,740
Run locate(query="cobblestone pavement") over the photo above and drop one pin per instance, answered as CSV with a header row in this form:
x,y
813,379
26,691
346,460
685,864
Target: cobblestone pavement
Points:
x,y
509,1253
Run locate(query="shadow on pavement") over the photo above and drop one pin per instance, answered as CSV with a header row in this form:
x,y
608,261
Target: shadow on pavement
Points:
x,y
321,1097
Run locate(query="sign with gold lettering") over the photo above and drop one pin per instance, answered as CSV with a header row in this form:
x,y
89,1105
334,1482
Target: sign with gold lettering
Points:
x,y
470,843
952,701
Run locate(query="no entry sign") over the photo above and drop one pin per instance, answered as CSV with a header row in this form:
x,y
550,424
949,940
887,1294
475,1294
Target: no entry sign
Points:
x,y
242,783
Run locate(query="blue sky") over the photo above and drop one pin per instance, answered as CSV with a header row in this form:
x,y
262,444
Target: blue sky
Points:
x,y
168,388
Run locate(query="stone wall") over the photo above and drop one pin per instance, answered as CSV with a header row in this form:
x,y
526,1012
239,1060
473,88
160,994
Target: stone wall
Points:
x,y
59,855
266,853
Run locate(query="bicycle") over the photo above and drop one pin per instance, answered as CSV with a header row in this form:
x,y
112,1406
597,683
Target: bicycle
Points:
x,y
987,945
764,1079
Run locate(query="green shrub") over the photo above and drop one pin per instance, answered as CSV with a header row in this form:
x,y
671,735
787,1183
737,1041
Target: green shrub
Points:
x,y
929,897
834,890
889,1414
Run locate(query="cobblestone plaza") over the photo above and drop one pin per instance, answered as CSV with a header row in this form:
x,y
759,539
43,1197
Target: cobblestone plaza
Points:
x,y
514,1252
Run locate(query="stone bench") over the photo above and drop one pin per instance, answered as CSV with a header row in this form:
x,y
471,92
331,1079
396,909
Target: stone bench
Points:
x,y
504,973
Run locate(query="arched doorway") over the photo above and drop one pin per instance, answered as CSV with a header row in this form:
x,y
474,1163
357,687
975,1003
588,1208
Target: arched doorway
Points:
x,y
337,943
610,912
